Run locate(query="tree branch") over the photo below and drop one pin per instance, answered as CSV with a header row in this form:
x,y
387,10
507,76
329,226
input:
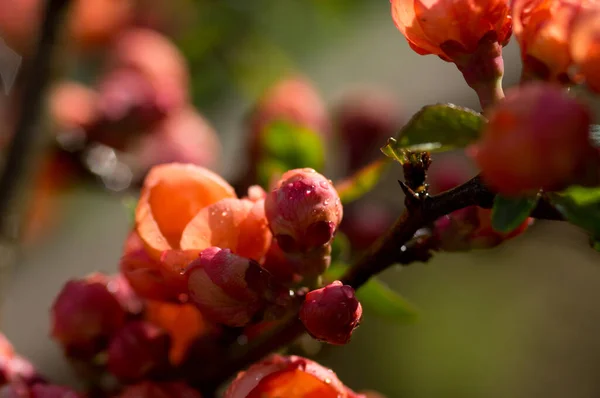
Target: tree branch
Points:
x,y
383,254
26,132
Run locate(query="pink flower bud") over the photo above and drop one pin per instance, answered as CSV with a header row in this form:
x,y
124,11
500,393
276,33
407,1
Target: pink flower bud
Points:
x,y
537,137
16,369
304,211
365,119
84,316
138,350
292,376
331,313
231,289
150,389
471,228
52,391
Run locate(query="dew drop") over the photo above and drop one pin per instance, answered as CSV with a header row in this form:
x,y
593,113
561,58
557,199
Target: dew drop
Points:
x,y
308,191
326,203
224,214
328,381
324,184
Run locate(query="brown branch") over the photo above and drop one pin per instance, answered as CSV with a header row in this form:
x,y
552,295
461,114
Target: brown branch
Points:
x,y
27,130
383,254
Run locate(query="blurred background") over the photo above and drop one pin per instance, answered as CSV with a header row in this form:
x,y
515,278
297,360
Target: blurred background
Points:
x,y
520,320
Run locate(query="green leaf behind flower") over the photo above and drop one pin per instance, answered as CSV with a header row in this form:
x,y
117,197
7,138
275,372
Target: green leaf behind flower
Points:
x,y
363,181
509,213
581,206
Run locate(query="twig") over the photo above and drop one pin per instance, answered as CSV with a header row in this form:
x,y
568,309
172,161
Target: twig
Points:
x,y
26,132
383,254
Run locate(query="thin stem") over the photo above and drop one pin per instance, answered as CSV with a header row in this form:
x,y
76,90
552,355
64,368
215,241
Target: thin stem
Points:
x,y
383,254
27,132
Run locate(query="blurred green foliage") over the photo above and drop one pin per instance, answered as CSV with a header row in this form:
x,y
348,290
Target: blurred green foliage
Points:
x,y
240,46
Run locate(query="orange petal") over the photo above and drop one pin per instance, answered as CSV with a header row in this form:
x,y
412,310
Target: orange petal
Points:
x,y
172,195
255,237
183,322
293,383
217,225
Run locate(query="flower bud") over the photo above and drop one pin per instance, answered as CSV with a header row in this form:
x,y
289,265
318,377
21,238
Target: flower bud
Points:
x,y
471,228
18,370
231,289
84,316
139,349
52,391
150,389
585,47
543,29
331,314
431,26
304,211
536,138
6,349
279,376
365,119
292,100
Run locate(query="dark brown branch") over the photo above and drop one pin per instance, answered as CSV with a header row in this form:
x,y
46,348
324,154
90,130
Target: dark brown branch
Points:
x,y
384,253
25,134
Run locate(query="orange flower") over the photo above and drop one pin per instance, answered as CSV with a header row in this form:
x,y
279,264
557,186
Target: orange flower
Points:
x,y
429,25
290,376
585,47
543,29
183,322
184,209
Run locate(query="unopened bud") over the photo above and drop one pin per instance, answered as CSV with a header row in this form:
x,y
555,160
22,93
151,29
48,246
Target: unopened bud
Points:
x,y
292,376
304,211
84,316
536,138
150,389
471,228
331,314
231,289
138,350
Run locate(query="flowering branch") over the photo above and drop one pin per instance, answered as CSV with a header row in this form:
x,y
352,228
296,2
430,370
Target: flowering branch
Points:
x,y
389,250
26,132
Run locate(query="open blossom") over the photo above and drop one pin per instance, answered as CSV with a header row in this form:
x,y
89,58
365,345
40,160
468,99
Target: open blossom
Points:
x,y
543,29
536,138
331,313
184,209
231,289
585,47
430,25
293,376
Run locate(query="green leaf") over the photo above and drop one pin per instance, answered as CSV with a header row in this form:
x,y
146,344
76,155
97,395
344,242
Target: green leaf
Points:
x,y
377,298
581,206
509,213
361,182
287,146
439,128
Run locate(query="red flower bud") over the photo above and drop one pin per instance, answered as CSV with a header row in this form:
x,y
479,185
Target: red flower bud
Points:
x,y
231,289
292,100
52,391
365,119
304,211
138,350
84,316
429,26
331,314
585,47
537,137
471,228
149,389
292,376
